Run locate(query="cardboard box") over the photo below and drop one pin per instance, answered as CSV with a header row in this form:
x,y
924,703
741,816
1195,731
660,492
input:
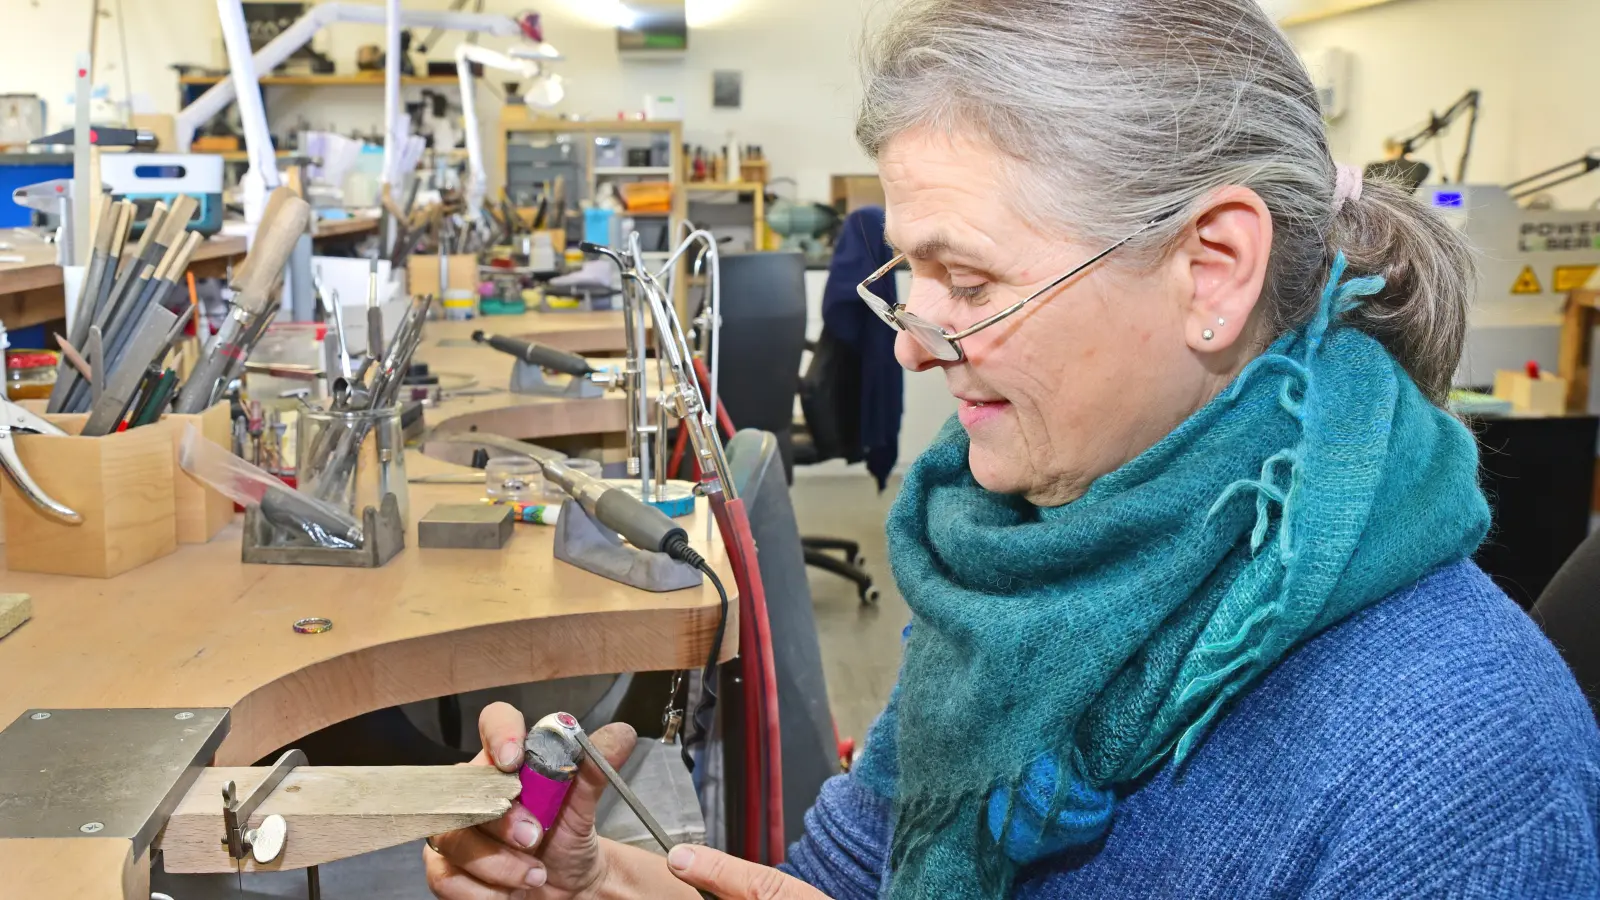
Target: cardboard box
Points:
x,y
851,192
122,486
422,273
1545,395
164,127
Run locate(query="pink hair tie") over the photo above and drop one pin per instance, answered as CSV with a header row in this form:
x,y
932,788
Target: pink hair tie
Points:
x,y
1346,186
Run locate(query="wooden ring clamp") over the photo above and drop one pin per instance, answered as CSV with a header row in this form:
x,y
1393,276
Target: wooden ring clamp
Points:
x,y
166,799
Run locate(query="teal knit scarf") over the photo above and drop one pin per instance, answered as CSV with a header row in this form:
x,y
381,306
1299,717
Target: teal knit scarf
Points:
x,y
1059,654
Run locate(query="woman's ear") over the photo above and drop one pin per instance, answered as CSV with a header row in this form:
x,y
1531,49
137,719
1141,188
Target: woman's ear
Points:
x,y
1222,265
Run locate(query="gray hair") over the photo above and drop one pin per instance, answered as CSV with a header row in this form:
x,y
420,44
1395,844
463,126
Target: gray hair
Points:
x,y
1113,113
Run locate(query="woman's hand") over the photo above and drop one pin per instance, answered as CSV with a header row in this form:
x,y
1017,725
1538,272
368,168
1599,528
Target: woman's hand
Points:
x,y
731,878
504,859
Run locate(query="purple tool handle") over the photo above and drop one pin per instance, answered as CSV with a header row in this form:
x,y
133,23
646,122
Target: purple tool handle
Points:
x,y
543,796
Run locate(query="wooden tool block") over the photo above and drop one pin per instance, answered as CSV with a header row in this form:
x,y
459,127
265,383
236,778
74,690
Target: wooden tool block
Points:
x,y
14,610
121,484
1546,395
465,526
201,511
422,273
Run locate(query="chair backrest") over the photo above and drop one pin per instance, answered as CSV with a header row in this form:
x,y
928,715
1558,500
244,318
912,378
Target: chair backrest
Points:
x,y
763,336
1569,613
810,752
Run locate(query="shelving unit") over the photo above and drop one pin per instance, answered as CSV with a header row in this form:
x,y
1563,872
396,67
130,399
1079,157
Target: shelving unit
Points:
x,y
633,170
516,124
237,155
758,201
375,79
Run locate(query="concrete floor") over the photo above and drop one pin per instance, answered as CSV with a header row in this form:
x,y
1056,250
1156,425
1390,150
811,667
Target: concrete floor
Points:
x,y
860,653
860,644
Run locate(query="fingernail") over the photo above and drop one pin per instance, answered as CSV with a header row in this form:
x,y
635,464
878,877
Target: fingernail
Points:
x,y
680,857
536,876
525,834
509,754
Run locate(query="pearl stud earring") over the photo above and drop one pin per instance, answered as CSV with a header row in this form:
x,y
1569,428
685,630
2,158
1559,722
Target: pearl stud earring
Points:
x,y
1208,334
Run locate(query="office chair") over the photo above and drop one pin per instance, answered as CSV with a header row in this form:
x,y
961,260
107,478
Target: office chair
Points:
x,y
810,748
763,336
1569,612
830,401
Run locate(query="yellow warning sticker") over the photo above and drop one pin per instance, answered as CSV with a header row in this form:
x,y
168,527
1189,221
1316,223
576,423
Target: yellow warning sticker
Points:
x,y
1570,278
1527,282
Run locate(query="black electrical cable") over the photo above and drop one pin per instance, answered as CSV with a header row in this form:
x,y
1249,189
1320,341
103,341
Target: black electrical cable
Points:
x,y
677,547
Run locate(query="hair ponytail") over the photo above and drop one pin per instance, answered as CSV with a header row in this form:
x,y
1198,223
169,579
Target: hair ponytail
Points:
x,y
1430,275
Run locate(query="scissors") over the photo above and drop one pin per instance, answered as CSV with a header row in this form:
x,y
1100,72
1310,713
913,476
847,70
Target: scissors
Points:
x,y
16,420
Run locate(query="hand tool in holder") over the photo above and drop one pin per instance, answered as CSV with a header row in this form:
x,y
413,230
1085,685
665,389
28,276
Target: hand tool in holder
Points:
x,y
285,526
286,217
15,420
527,374
596,519
329,466
382,534
585,543
105,231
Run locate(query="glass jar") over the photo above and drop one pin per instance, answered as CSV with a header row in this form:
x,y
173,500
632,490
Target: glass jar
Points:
x,y
514,479
351,458
30,375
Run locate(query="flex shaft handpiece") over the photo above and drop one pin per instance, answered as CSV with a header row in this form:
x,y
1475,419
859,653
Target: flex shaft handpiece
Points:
x,y
538,354
639,523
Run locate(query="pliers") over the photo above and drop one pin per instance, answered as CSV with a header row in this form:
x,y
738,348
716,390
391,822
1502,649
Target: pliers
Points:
x,y
16,420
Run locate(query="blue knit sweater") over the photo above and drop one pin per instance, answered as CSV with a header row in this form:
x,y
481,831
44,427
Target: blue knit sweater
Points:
x,y
1433,745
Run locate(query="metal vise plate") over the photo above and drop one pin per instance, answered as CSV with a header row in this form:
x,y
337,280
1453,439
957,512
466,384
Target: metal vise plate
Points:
x,y
102,773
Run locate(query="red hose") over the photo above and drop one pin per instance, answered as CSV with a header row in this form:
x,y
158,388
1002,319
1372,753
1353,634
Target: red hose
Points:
x,y
762,727
757,667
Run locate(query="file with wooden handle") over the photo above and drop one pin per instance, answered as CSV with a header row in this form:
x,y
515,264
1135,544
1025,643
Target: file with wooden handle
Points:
x,y
285,219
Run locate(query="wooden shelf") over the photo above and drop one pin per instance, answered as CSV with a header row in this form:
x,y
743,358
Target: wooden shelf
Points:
x,y
516,118
238,155
375,79
725,186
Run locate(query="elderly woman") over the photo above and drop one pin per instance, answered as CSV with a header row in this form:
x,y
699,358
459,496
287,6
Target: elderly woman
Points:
x,y
1193,609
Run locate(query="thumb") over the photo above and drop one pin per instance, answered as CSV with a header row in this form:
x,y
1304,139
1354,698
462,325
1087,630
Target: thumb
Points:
x,y
732,878
616,742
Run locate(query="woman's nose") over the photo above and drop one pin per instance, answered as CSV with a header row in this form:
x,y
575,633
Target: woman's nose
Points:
x,y
908,351
914,357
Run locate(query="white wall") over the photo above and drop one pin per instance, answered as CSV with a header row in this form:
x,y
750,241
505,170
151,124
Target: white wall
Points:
x,y
45,36
1530,58
800,84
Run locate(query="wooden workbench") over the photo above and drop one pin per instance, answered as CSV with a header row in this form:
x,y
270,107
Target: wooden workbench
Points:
x,y
198,628
31,290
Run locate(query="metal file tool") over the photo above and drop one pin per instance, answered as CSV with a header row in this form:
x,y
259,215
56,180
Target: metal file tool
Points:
x,y
146,348
625,792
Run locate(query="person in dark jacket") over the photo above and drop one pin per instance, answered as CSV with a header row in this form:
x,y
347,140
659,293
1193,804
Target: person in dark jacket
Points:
x,y
859,251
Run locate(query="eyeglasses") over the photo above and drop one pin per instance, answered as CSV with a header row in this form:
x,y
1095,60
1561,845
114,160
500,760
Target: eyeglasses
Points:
x,y
943,344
